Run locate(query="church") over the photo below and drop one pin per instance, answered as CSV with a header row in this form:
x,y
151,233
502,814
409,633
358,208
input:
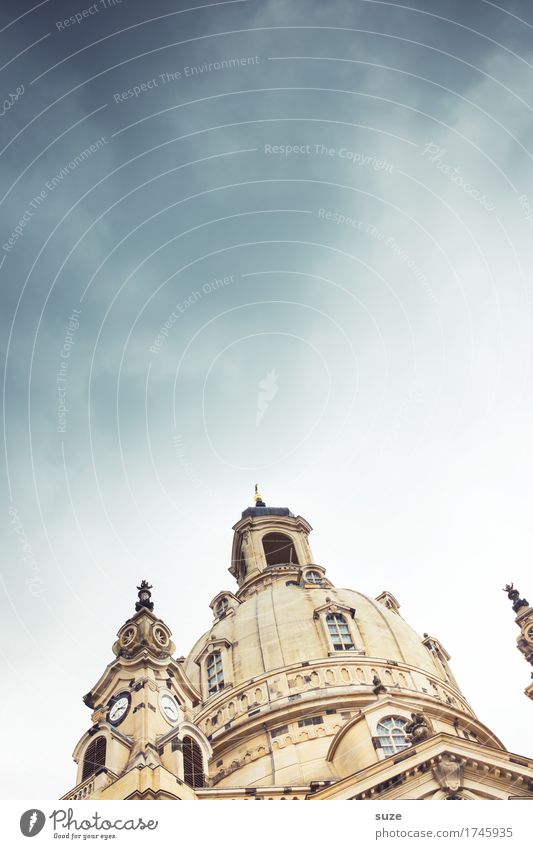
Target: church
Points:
x,y
299,690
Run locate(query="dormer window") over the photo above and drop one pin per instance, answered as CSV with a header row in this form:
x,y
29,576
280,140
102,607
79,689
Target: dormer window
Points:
x,y
222,607
215,672
279,550
313,577
223,604
339,632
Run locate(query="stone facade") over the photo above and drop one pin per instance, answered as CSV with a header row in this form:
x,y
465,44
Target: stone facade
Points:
x,y
299,690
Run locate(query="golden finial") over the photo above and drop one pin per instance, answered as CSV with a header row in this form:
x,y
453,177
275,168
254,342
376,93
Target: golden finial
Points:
x,y
258,498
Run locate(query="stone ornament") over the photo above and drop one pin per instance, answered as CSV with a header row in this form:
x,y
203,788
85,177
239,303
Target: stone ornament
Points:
x,y
128,636
514,596
144,597
418,729
524,619
379,687
449,774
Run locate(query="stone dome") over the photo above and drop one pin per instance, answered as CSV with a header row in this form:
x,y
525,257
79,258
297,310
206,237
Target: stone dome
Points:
x,y
295,675
278,627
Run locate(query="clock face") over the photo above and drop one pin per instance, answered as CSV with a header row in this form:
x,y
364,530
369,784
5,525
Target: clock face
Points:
x,y
528,633
169,707
118,709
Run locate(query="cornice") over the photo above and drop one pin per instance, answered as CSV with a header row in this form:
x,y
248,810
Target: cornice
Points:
x,y
141,660
476,756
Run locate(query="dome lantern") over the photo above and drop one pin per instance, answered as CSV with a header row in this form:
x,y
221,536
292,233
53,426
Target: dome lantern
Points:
x,y
266,538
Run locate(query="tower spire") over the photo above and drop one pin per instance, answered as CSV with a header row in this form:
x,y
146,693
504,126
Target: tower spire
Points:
x,y
524,620
143,742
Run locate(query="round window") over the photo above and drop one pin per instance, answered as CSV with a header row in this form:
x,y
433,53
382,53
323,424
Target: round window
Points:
x,y
160,636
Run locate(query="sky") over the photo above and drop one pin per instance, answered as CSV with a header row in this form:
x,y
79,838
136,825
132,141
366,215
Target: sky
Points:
x,y
261,241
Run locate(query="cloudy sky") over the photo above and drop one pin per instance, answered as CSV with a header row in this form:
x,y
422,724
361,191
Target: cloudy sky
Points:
x,y
273,241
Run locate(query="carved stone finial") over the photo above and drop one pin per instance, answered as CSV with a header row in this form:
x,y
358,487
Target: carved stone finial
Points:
x,y
514,596
144,597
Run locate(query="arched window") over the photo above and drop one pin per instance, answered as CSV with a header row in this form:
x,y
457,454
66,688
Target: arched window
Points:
x,y
339,632
193,763
215,672
313,577
221,607
391,735
94,757
279,550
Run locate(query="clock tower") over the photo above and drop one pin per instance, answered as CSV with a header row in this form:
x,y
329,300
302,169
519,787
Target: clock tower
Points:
x,y
142,743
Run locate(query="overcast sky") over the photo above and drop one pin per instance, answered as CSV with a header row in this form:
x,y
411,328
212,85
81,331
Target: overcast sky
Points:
x,y
284,242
